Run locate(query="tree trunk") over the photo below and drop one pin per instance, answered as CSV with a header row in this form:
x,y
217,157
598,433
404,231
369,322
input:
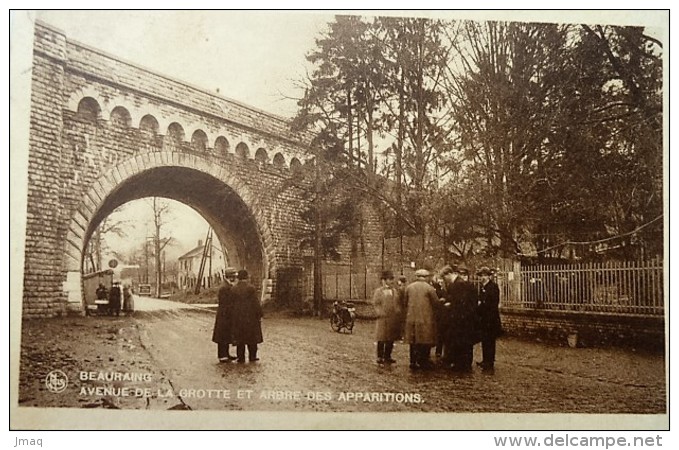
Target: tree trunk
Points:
x,y
399,160
318,259
369,137
350,125
156,247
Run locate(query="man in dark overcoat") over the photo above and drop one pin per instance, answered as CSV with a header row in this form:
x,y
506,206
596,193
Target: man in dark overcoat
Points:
x,y
440,315
247,316
401,285
490,326
222,332
460,298
114,299
102,292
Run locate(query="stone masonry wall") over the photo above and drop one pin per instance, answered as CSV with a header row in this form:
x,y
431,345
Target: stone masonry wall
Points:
x,y
591,329
42,275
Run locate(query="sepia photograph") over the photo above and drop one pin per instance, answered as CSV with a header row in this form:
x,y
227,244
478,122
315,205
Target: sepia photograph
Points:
x,y
395,220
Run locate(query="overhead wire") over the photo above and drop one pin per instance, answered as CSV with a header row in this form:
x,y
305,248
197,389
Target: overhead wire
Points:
x,y
599,241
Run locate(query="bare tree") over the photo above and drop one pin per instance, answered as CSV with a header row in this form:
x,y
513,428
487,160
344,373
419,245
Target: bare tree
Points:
x,y
98,245
161,209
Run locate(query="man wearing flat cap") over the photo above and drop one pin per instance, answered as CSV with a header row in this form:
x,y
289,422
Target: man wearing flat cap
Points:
x,y
420,327
222,332
490,327
247,317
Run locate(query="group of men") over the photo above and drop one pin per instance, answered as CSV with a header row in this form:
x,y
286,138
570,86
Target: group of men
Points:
x,y
446,312
238,320
113,296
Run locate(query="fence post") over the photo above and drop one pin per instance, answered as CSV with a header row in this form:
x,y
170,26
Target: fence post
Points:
x,y
592,285
351,292
518,295
365,282
654,290
661,283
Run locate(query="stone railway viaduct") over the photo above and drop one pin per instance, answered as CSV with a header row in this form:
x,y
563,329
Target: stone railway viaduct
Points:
x,y
104,132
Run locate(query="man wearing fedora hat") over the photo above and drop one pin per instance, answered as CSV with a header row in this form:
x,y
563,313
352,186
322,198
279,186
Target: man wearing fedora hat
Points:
x,y
490,326
420,328
449,284
222,332
247,318
460,299
387,303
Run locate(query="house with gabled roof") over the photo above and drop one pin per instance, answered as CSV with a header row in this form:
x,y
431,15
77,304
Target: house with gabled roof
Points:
x,y
216,261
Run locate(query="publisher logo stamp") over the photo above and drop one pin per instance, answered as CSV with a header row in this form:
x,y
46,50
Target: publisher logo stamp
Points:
x,y
56,381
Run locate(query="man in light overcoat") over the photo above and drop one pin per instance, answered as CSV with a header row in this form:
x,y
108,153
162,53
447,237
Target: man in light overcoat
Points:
x,y
421,301
388,326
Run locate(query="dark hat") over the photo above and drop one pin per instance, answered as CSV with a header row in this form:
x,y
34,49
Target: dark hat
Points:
x,y
243,274
402,278
462,269
484,271
230,272
445,270
387,275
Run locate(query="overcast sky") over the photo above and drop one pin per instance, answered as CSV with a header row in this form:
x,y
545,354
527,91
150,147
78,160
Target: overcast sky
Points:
x,y
251,57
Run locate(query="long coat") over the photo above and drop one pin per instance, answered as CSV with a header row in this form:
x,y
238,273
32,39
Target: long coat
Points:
x,y
441,313
114,298
389,316
421,299
460,297
247,314
222,332
490,326
128,300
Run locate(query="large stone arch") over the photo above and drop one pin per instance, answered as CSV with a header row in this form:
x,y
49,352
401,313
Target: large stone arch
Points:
x,y
75,174
146,174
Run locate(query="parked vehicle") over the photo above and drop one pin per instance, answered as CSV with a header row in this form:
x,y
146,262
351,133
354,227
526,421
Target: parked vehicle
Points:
x,y
343,316
144,290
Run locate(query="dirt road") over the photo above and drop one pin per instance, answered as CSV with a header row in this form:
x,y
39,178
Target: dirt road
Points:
x,y
305,366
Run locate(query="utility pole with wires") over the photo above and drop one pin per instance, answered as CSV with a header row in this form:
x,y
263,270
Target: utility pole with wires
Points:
x,y
207,252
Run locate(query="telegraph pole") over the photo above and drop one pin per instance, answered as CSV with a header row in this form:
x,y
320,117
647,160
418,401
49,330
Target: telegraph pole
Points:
x,y
209,267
